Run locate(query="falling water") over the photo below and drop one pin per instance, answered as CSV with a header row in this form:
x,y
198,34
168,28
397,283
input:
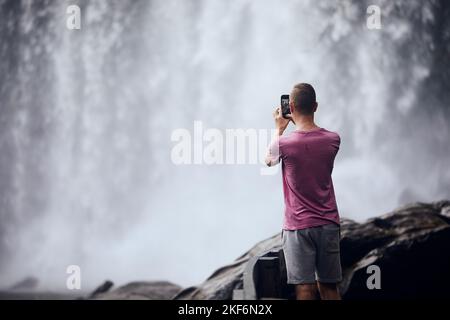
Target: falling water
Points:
x,y
86,119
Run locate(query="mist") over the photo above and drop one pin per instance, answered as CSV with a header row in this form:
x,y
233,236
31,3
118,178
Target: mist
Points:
x,y
86,176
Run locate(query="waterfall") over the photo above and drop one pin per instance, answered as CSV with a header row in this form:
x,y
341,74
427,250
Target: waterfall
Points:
x,y
86,119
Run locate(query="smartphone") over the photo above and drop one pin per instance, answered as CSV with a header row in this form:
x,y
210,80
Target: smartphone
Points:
x,y
285,110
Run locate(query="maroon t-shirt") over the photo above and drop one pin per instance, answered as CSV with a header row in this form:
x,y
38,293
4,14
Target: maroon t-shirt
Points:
x,y
307,163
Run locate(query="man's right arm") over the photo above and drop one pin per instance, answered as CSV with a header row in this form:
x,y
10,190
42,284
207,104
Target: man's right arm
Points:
x,y
273,152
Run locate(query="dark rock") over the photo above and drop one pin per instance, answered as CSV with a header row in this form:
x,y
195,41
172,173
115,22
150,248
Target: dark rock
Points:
x,y
153,290
104,287
410,245
222,282
36,295
412,253
28,283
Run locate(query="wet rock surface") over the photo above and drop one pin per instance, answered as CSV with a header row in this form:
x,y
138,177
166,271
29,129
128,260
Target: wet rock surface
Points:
x,y
143,290
410,246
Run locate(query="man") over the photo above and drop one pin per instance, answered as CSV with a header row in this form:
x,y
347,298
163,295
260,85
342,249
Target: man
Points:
x,y
311,231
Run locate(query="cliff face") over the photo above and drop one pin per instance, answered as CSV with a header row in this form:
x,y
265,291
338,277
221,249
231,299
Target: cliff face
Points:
x,y
410,246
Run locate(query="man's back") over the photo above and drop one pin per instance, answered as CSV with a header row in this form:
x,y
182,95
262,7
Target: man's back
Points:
x,y
307,160
311,231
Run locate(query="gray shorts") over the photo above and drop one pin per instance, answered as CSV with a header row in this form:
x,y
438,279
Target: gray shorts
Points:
x,y
312,254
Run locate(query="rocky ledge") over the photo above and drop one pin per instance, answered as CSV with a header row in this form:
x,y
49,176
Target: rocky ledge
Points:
x,y
151,290
410,245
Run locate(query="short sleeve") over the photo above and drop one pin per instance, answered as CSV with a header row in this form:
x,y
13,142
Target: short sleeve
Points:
x,y
274,153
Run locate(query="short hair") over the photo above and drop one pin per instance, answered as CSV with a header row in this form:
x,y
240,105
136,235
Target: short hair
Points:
x,y
304,98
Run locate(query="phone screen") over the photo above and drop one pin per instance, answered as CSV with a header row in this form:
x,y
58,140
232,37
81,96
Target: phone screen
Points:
x,y
285,105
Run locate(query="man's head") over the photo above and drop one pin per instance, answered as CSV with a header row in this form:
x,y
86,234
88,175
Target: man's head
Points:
x,y
303,99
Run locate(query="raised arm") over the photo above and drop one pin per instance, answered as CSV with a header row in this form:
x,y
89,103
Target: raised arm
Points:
x,y
273,152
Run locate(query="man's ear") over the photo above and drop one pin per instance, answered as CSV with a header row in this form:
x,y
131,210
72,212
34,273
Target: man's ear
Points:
x,y
315,107
291,107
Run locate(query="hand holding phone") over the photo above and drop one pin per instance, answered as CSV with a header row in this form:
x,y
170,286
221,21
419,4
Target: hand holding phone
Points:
x,y
285,110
